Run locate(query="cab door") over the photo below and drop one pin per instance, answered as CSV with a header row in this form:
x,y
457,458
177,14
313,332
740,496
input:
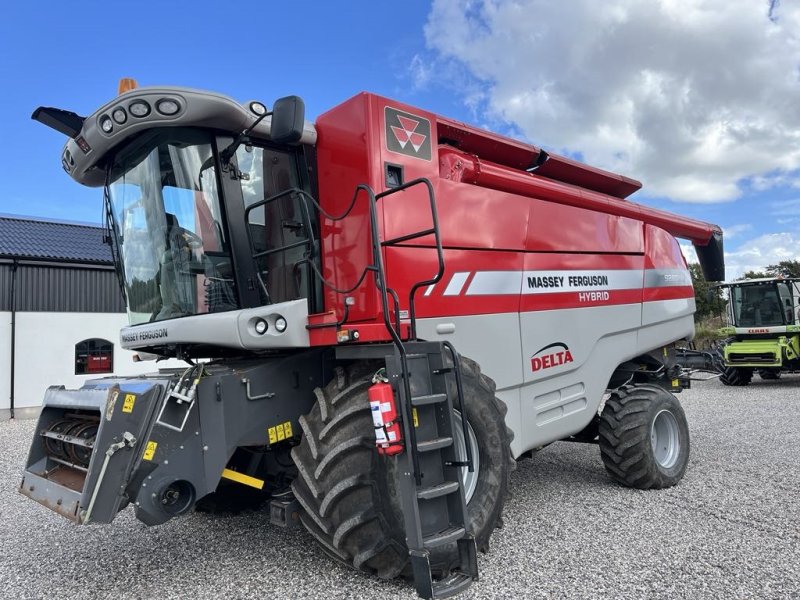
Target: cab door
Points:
x,y
278,222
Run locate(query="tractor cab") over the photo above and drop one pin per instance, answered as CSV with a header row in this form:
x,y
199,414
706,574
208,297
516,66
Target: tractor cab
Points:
x,y
205,203
763,303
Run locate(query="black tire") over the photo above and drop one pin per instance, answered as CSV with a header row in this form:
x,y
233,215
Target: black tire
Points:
x,y
769,374
350,493
736,376
626,425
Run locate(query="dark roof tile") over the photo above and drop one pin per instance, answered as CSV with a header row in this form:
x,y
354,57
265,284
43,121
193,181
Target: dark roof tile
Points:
x,y
25,237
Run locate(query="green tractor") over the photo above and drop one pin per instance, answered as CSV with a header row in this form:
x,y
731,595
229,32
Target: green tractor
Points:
x,y
763,332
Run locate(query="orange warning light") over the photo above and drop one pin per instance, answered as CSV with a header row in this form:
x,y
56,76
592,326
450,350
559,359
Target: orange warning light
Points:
x,y
126,84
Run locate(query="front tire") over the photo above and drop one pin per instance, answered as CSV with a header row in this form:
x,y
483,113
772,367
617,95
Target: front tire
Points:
x,y
769,374
350,494
736,376
644,437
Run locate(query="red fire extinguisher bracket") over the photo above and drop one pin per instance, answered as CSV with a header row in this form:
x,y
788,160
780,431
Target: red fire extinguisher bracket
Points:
x,y
388,432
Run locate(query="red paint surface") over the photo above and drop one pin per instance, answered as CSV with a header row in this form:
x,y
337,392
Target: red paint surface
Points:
x,y
493,215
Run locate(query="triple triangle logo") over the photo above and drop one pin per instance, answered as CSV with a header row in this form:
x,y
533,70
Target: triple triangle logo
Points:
x,y
408,134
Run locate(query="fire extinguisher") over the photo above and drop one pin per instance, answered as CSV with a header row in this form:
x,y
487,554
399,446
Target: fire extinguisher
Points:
x,y
388,432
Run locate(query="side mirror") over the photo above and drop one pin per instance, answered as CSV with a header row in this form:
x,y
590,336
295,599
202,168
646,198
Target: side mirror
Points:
x,y
288,120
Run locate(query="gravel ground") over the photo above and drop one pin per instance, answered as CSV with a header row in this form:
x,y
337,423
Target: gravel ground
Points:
x,y
729,530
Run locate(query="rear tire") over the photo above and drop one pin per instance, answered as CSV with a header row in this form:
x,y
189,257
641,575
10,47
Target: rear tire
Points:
x,y
349,492
769,374
644,437
736,376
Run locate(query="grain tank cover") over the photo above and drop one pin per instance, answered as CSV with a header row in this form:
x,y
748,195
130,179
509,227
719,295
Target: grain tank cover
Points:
x,y
517,155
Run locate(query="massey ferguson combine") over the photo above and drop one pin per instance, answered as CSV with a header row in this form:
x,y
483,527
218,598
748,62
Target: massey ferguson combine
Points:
x,y
379,311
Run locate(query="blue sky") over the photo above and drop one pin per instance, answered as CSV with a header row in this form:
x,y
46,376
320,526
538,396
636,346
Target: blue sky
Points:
x,y
697,98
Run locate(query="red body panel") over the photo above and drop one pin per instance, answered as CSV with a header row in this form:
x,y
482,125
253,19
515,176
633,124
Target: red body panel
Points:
x,y
500,225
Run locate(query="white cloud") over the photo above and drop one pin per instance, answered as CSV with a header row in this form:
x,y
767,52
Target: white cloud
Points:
x,y
786,208
759,252
694,97
689,253
733,231
420,71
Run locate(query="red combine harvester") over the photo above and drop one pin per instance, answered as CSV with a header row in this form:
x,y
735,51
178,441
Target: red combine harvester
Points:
x,y
326,283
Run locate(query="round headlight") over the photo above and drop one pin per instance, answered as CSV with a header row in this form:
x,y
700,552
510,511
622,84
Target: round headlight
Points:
x,y
258,108
167,107
105,124
119,115
140,108
280,324
261,326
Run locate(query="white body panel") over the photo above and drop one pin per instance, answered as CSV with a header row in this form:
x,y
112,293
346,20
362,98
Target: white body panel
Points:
x,y
559,395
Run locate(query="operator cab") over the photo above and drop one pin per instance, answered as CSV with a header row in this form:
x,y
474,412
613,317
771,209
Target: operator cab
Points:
x,y
207,214
764,303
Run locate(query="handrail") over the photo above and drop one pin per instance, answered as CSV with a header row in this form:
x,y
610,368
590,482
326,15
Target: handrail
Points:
x,y
434,230
309,241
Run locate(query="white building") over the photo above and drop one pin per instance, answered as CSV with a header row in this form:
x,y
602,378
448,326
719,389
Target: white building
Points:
x,y
61,310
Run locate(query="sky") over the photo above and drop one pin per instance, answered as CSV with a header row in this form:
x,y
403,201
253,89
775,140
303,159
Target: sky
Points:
x,y
698,99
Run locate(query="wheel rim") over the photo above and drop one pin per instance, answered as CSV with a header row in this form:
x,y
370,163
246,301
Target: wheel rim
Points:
x,y
469,480
665,439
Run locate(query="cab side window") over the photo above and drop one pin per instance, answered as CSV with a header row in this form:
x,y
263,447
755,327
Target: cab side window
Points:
x,y
265,173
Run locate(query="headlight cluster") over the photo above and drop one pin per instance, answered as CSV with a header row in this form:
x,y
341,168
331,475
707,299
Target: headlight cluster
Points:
x,y
261,326
138,109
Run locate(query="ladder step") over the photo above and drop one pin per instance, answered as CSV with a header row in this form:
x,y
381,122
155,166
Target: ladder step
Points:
x,y
448,536
448,487
454,584
429,399
434,444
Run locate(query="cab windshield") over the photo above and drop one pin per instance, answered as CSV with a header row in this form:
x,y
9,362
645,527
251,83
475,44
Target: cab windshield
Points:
x,y
761,305
168,228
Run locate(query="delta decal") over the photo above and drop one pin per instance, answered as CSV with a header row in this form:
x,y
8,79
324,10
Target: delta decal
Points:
x,y
407,134
552,355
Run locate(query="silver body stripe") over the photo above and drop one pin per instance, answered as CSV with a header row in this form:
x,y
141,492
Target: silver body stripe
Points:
x,y
456,284
654,278
580,281
568,280
495,283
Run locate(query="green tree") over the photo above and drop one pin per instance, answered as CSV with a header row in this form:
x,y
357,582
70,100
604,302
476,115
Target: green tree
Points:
x,y
785,268
753,275
707,304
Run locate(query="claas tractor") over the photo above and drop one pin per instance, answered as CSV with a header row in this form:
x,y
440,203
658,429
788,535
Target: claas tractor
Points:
x,y
763,329
380,312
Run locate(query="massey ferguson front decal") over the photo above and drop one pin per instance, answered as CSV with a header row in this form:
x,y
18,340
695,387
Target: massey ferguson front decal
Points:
x,y
408,134
552,355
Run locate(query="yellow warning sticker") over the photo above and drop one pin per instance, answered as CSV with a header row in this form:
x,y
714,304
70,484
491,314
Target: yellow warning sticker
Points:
x,y
414,417
127,405
150,450
281,432
676,383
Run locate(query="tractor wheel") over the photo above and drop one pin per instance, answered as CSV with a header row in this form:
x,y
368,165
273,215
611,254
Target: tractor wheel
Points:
x,y
349,492
644,437
769,374
736,376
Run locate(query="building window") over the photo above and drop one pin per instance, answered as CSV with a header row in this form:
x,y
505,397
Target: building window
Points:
x,y
94,356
